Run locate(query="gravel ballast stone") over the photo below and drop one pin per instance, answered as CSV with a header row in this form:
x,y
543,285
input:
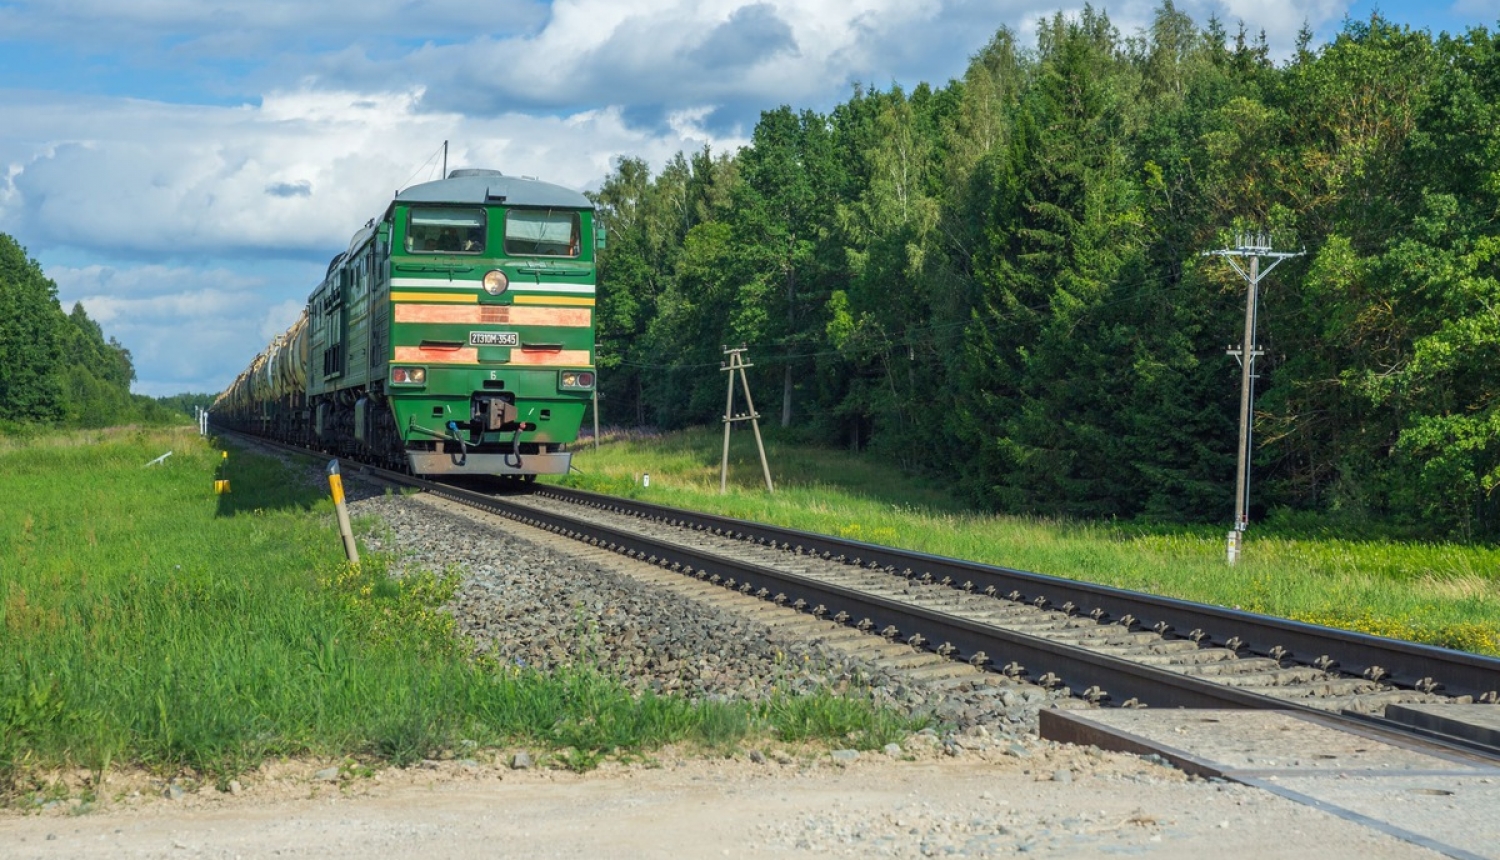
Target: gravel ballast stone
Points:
x,y
531,605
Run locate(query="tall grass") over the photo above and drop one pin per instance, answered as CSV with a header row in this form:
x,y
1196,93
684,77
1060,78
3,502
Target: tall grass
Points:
x,y
144,619
1438,593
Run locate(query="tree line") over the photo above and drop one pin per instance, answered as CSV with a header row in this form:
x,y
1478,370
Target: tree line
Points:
x,y
1000,281
57,369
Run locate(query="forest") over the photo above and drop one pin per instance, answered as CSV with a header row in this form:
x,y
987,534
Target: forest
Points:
x,y
58,368
1000,281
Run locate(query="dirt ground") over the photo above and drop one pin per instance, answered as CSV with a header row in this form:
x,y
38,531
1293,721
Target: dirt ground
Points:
x,y
1045,800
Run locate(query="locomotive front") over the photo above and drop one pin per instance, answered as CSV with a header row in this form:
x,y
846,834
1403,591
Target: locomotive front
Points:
x,y
490,329
456,333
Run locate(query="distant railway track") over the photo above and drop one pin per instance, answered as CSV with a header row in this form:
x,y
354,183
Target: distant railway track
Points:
x,y
1105,645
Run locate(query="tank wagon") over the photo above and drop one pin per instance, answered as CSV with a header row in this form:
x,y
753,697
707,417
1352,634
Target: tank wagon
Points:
x,y
455,335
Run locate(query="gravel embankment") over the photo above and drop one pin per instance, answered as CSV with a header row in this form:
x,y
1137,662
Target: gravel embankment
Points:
x,y
536,606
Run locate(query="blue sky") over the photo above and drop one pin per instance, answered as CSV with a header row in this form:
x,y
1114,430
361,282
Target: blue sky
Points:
x,y
185,168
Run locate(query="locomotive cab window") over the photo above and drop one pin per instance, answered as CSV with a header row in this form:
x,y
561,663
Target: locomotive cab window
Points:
x,y
443,230
541,232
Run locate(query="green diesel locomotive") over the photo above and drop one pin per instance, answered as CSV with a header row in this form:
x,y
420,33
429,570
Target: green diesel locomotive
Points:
x,y
455,336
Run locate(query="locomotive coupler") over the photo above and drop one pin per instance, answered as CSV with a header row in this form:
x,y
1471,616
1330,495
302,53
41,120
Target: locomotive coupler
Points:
x,y
493,413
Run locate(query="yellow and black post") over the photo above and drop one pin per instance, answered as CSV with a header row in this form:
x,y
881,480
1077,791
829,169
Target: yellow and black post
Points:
x,y
221,483
336,484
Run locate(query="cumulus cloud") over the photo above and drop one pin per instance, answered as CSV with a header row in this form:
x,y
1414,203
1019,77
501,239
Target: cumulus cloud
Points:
x,y
279,317
669,53
1281,19
752,34
296,174
169,308
148,280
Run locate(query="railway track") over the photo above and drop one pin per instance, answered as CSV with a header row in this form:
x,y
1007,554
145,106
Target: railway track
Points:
x,y
1101,645
1107,646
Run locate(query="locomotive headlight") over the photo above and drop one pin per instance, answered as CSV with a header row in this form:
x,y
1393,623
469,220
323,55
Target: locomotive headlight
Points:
x,y
408,375
495,282
576,379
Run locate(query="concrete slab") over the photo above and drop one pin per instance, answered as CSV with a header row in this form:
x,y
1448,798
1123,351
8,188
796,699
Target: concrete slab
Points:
x,y
1448,812
1439,798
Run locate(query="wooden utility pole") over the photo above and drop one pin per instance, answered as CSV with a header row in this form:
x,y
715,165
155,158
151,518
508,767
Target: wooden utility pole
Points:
x,y
1252,246
737,362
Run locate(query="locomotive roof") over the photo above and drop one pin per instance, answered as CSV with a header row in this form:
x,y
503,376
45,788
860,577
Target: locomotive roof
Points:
x,y
492,186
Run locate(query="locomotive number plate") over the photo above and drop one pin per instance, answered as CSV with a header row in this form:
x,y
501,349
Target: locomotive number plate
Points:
x,y
493,338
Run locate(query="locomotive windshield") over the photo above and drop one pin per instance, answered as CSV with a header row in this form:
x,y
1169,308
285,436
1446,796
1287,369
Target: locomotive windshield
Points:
x,y
442,230
541,232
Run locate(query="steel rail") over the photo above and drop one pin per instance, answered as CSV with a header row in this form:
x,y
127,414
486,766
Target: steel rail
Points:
x,y
1089,674
1405,664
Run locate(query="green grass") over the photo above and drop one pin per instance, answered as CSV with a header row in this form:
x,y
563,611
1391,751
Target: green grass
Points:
x,y
145,620
1437,593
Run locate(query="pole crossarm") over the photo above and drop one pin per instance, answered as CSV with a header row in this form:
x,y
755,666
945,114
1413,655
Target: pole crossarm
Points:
x,y
1229,254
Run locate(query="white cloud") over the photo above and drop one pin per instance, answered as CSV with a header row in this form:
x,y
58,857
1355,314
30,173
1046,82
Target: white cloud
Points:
x,y
1482,8
1281,19
297,174
279,317
168,310
143,280
685,52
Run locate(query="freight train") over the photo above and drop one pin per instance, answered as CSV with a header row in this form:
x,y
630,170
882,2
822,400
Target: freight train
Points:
x,y
454,336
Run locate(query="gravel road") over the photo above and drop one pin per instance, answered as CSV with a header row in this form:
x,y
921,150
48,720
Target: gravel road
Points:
x,y
980,804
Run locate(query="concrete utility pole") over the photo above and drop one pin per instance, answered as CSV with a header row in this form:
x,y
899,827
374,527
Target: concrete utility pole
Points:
x,y
1253,246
